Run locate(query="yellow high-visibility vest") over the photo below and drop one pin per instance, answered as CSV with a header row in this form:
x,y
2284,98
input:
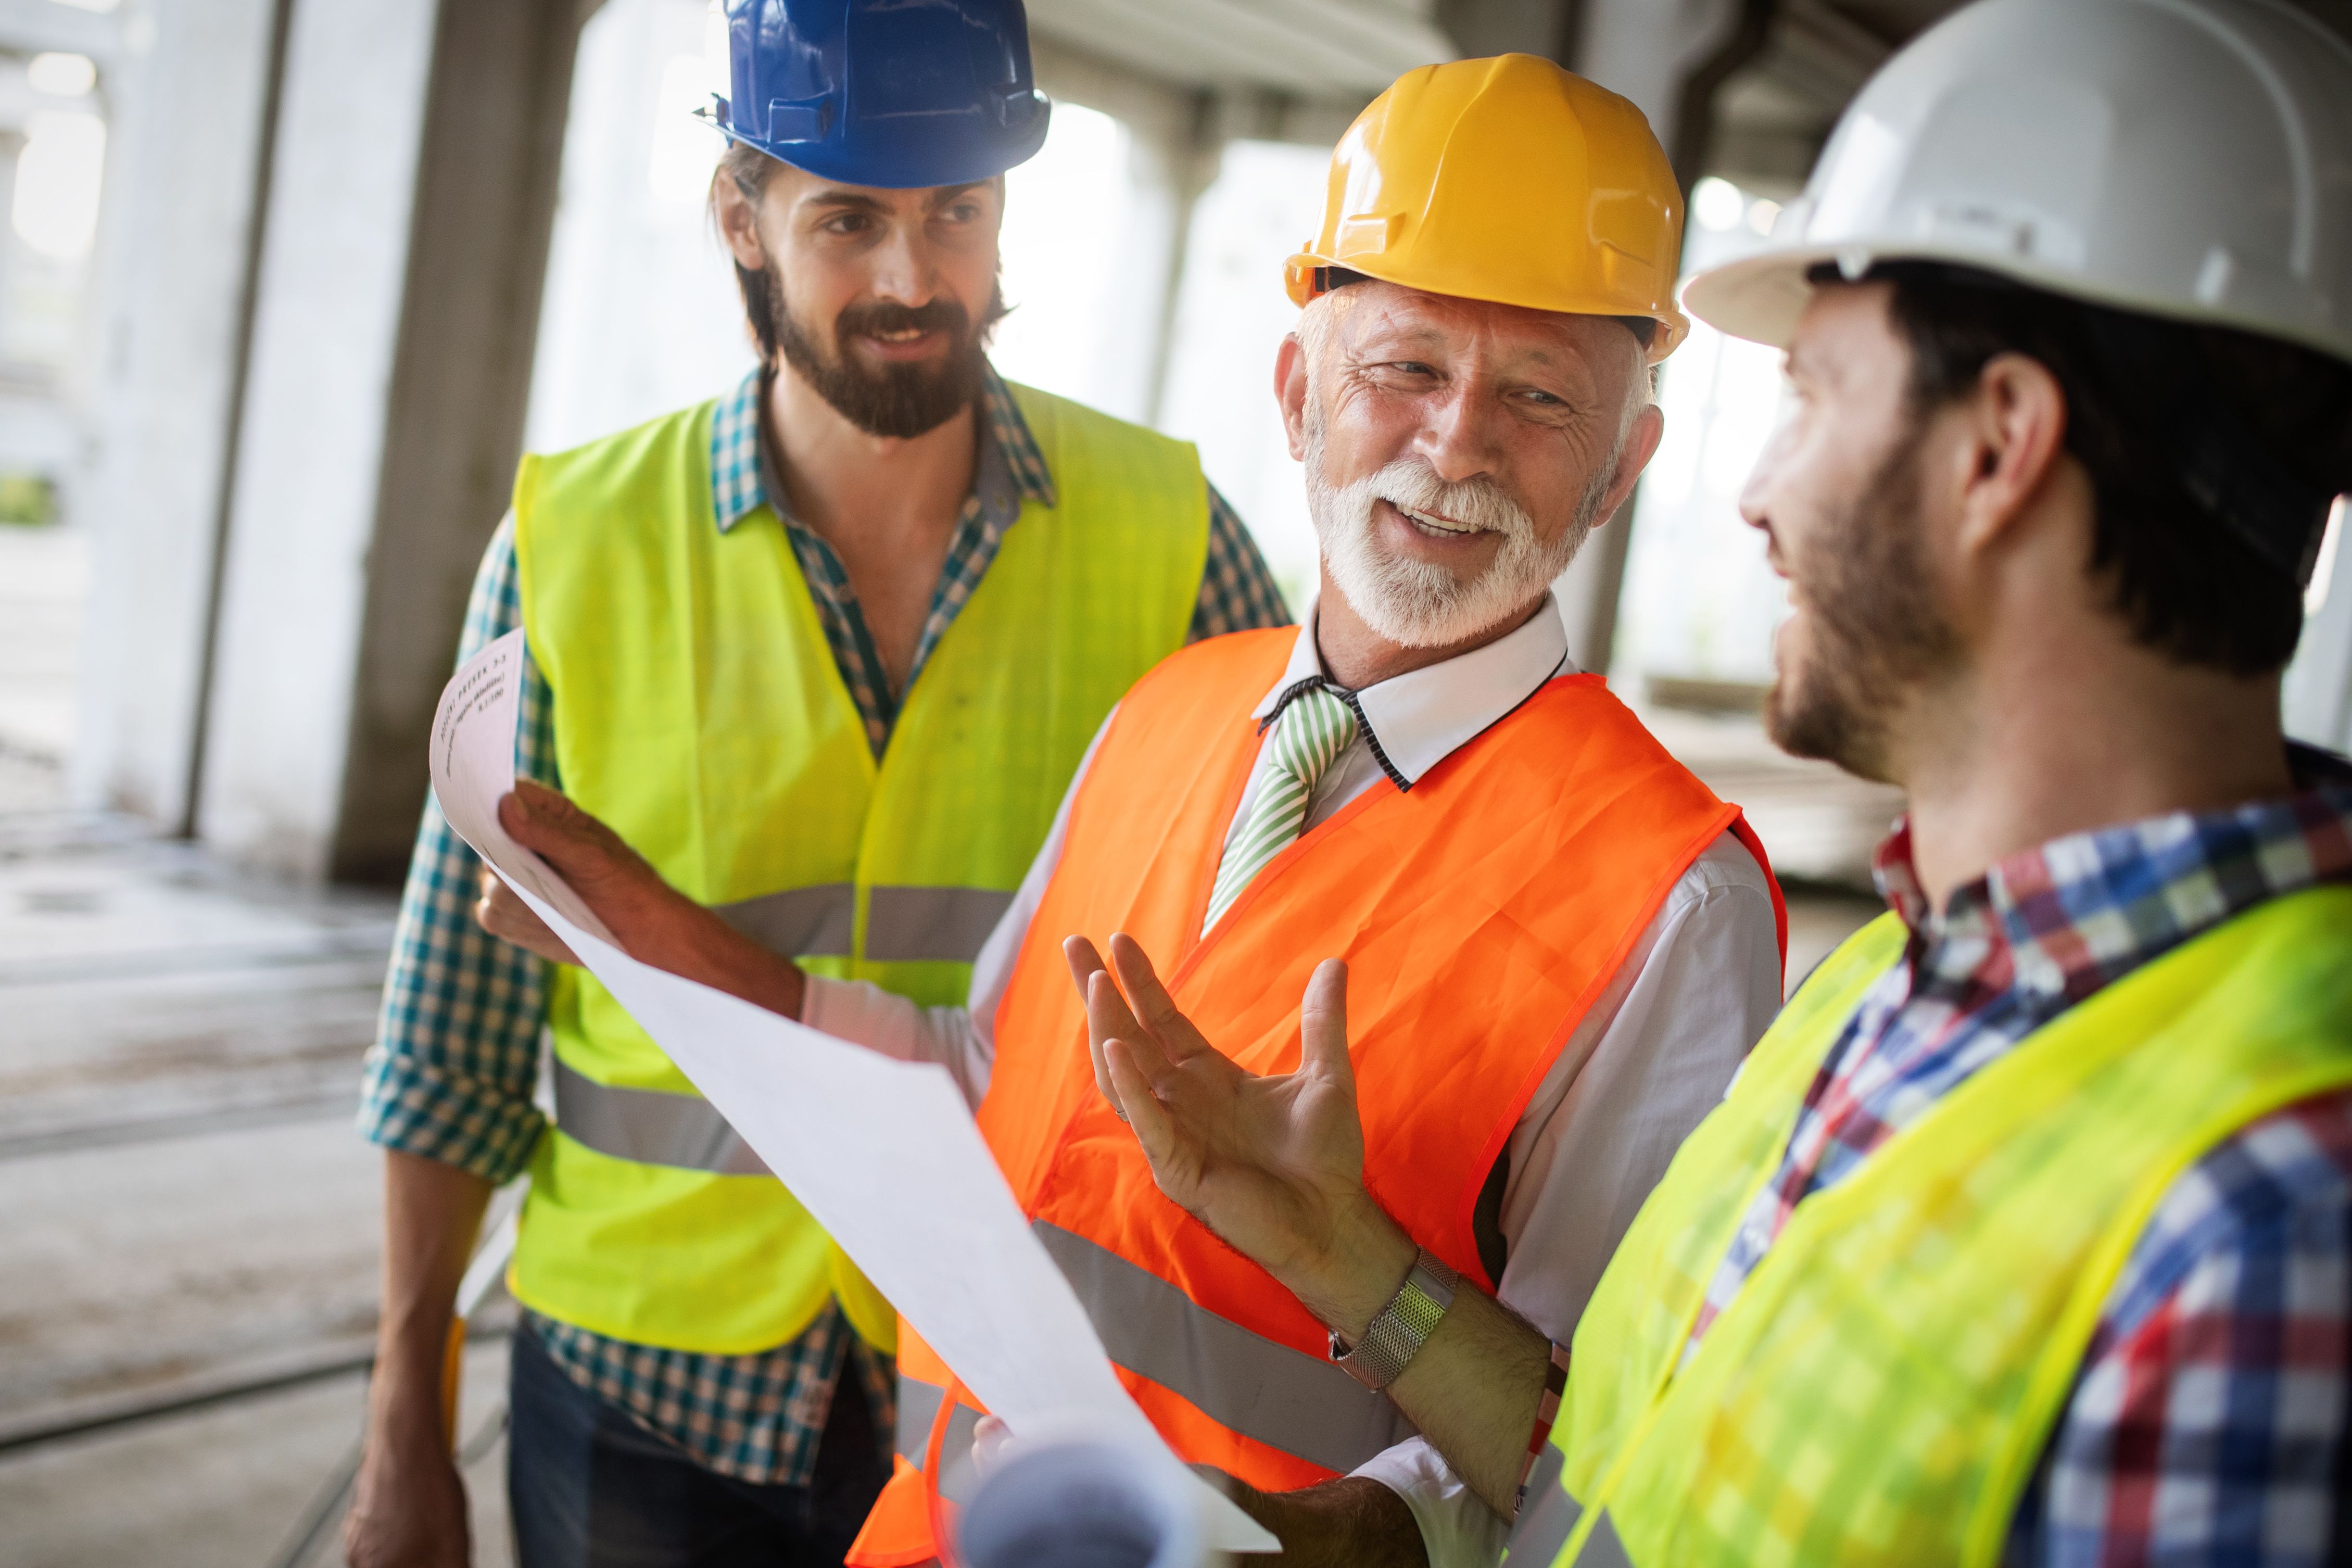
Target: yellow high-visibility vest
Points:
x,y
699,710
1883,1386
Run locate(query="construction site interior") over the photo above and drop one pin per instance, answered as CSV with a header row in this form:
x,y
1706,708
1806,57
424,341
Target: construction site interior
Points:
x,y
286,287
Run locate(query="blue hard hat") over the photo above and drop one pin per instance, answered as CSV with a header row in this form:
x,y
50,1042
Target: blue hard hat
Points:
x,y
897,93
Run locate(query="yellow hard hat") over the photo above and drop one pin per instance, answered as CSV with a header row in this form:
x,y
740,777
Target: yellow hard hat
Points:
x,y
1506,179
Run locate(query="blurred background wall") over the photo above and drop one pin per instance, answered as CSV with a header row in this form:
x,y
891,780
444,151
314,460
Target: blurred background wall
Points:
x,y
287,285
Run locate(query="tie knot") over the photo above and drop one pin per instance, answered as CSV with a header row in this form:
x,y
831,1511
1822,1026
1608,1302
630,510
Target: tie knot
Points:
x,y
1314,729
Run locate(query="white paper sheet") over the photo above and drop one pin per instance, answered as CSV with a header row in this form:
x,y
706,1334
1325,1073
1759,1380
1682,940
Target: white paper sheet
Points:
x,y
884,1153
472,753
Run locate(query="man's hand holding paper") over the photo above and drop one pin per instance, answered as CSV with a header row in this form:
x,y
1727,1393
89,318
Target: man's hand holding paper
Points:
x,y
650,921
883,1153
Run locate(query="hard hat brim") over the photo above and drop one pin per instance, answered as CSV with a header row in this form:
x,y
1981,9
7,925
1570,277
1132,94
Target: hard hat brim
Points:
x,y
1761,298
914,162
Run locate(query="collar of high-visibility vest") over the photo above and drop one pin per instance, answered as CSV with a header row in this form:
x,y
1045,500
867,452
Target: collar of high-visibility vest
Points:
x,y
1415,721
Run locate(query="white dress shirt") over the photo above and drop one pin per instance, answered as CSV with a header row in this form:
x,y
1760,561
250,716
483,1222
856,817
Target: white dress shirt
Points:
x,y
1650,1059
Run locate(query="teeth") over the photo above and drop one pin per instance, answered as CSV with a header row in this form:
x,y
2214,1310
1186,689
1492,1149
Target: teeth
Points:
x,y
1427,523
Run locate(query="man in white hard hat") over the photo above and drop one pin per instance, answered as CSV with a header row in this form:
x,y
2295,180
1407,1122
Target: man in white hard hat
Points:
x,y
2026,1232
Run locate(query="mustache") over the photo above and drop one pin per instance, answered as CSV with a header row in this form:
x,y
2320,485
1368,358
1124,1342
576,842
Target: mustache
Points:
x,y
1478,503
876,317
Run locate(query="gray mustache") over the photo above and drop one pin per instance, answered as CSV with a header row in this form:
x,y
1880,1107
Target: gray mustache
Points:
x,y
1473,503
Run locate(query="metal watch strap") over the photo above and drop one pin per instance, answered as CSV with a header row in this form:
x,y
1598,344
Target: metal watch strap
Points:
x,y
1403,1326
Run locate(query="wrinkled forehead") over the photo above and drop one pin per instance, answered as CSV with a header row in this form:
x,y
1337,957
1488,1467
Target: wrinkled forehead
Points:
x,y
1389,320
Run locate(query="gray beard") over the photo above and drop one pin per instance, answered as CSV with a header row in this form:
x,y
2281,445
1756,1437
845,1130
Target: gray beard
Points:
x,y
1418,604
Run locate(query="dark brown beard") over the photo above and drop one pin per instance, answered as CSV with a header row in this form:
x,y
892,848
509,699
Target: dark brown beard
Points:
x,y
1877,628
898,400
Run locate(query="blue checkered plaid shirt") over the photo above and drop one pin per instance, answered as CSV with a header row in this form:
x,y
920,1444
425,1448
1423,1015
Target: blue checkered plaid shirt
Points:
x,y
456,1061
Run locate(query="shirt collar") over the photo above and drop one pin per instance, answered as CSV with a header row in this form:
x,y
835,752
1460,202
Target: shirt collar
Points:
x,y
1011,470
2080,912
1417,720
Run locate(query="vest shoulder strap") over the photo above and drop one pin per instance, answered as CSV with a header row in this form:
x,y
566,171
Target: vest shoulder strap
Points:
x,y
573,489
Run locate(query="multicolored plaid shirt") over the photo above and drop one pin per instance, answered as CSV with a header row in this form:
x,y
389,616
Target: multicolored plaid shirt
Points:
x,y
2210,1422
455,1063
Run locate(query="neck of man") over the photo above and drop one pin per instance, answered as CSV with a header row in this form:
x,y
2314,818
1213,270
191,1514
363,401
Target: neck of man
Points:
x,y
1356,656
841,480
2057,721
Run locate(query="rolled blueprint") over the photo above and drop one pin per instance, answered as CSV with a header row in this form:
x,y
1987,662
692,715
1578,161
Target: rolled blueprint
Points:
x,y
1084,1500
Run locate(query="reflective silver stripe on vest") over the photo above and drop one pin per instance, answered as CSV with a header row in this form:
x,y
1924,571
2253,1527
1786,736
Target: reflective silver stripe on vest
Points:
x,y
1550,1515
919,1406
1284,1398
800,922
902,924
942,924
958,1476
1602,1548
650,1126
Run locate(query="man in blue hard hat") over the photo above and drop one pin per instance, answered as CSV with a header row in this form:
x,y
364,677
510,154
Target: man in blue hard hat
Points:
x,y
829,649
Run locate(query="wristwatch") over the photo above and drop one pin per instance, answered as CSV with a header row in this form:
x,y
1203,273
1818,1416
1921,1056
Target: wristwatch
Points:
x,y
1402,1327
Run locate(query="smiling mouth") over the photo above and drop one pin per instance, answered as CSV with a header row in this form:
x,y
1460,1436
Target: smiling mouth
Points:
x,y
1435,527
899,338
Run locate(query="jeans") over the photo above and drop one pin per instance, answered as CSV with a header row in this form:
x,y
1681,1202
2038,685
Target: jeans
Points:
x,y
590,1488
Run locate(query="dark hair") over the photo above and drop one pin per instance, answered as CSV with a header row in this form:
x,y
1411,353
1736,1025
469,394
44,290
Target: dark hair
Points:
x,y
2203,556
748,168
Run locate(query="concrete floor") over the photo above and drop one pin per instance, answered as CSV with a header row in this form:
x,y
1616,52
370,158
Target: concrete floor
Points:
x,y
186,1213
237,1484
44,580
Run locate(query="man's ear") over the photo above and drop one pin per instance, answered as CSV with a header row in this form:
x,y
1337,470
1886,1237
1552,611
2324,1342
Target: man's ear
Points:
x,y
1290,392
2013,436
1639,445
739,223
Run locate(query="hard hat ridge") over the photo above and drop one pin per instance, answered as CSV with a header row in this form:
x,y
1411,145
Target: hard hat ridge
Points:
x,y
883,92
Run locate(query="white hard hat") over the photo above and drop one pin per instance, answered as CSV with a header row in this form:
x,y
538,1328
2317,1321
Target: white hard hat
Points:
x,y
2189,159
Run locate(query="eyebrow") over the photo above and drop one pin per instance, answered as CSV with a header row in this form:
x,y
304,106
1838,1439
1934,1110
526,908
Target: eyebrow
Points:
x,y
856,200
859,201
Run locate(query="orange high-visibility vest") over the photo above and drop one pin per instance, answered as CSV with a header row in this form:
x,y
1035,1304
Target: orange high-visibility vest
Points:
x,y
1480,913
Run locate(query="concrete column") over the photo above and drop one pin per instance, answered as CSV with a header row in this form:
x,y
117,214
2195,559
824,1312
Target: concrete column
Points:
x,y
188,92
406,234
1644,49
485,212
1174,158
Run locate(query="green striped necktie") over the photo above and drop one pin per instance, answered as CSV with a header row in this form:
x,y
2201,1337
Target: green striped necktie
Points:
x,y
1308,737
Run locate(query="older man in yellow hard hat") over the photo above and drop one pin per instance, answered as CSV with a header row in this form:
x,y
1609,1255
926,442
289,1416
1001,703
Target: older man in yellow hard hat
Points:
x,y
1563,943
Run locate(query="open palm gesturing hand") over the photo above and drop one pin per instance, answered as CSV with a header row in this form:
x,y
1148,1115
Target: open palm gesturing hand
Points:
x,y
1274,1164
